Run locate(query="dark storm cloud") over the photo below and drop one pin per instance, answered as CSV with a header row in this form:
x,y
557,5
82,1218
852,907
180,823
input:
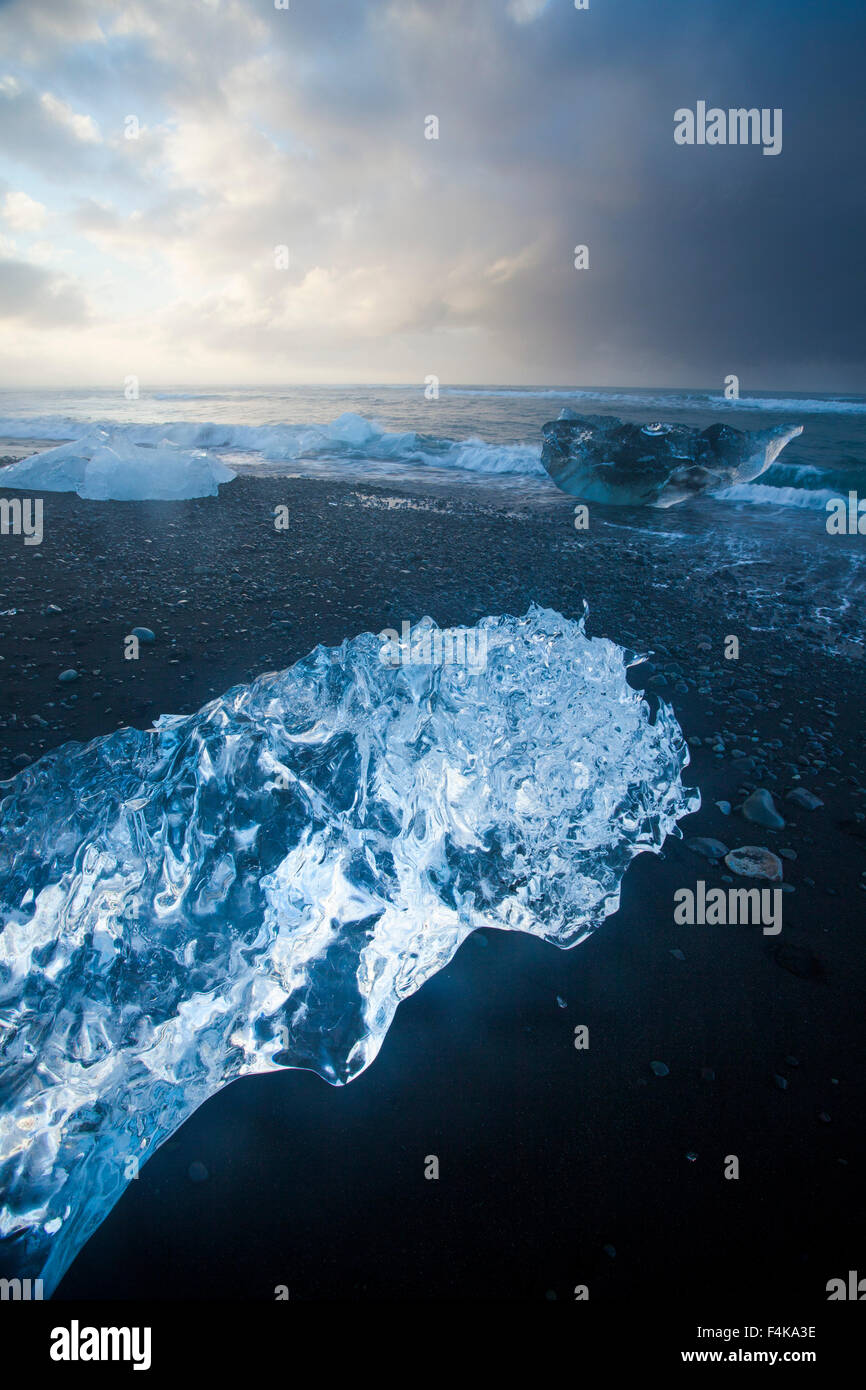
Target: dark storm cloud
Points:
x,y
703,260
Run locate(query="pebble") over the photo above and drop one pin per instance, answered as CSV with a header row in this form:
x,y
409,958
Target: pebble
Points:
x,y
708,849
660,1069
724,807
760,809
804,798
755,861
197,1172
143,634
68,675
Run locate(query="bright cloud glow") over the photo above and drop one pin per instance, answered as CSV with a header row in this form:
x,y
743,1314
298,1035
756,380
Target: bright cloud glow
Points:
x,y
22,213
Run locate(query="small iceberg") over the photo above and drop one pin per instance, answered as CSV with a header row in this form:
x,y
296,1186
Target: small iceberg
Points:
x,y
259,884
107,466
603,459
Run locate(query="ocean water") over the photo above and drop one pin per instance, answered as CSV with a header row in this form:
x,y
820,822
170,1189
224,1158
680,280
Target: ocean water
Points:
x,y
466,436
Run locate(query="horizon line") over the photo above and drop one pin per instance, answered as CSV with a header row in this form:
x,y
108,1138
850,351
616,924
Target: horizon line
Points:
x,y
419,386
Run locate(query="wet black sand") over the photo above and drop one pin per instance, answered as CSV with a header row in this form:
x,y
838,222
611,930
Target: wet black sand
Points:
x,y
548,1155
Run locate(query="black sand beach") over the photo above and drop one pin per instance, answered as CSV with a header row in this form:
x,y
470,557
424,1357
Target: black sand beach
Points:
x,y
558,1167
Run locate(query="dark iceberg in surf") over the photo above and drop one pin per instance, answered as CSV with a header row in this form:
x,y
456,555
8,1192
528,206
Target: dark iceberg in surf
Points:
x,y
257,885
602,459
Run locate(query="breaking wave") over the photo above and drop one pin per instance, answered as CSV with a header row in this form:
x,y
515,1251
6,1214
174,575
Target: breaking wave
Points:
x,y
353,442
349,438
765,494
259,884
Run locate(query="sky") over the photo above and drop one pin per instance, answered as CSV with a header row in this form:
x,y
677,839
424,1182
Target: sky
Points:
x,y
305,128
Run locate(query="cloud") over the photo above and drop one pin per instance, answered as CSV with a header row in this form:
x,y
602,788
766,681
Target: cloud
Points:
x,y
81,127
22,213
33,29
525,11
43,132
305,128
38,296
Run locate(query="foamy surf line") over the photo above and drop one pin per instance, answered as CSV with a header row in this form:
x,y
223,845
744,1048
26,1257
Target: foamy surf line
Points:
x,y
349,438
764,494
123,461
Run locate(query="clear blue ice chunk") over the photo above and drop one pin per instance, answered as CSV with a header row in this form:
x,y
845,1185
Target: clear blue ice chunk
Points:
x,y
259,884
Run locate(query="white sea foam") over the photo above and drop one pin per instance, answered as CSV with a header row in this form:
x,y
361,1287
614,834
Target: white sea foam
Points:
x,y
355,445
761,493
349,438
